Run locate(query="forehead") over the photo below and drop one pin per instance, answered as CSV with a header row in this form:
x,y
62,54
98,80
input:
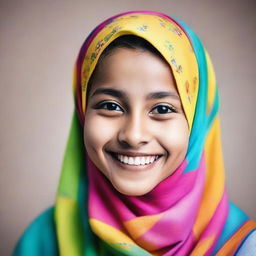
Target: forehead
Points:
x,y
133,70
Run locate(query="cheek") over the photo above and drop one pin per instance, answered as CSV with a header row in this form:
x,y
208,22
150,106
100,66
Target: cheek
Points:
x,y
176,136
97,132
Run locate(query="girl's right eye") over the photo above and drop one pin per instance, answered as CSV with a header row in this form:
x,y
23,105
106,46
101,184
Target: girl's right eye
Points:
x,y
110,106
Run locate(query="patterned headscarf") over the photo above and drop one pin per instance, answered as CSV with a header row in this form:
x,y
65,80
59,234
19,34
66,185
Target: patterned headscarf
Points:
x,y
196,218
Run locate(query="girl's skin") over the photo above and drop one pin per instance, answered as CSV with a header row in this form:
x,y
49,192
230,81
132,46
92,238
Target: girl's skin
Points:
x,y
134,110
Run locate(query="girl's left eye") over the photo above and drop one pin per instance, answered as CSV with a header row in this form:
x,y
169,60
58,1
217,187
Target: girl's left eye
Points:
x,y
163,109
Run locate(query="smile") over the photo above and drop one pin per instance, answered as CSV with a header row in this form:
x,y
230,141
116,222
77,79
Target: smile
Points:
x,y
135,160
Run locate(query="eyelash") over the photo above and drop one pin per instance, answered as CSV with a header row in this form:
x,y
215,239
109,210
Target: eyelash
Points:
x,y
104,104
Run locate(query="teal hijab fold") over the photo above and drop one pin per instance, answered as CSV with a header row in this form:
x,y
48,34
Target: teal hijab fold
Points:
x,y
40,238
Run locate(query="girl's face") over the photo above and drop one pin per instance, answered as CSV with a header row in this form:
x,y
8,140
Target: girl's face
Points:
x,y
135,129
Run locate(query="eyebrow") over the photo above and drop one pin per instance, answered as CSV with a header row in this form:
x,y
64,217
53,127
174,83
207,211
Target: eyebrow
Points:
x,y
122,95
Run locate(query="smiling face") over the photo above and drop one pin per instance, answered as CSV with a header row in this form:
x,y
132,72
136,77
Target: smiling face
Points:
x,y
135,129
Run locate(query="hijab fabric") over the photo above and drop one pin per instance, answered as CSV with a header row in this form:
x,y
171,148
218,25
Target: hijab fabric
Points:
x,y
186,214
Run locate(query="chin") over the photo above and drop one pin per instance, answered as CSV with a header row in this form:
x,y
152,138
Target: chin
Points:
x,y
133,190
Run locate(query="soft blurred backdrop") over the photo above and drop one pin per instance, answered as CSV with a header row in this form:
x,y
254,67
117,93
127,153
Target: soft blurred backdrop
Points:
x,y
39,43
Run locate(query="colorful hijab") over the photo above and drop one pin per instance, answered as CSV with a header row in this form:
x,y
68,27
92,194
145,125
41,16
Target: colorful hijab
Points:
x,y
186,214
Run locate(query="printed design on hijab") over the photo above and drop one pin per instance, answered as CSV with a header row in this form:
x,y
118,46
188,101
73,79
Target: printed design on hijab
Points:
x,y
164,23
178,68
168,45
102,42
144,27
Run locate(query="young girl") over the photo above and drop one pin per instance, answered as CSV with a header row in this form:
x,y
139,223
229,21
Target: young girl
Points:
x,y
143,171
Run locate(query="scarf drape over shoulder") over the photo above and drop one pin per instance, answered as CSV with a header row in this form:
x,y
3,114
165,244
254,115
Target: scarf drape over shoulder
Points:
x,y
194,217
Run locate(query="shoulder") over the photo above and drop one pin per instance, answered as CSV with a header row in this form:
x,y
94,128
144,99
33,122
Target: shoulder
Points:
x,y
231,235
39,238
248,247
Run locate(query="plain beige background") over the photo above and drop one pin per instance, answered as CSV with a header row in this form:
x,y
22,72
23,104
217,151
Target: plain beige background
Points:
x,y
39,44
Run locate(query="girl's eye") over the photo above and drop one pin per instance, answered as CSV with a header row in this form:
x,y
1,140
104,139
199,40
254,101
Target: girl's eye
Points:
x,y
163,109
110,106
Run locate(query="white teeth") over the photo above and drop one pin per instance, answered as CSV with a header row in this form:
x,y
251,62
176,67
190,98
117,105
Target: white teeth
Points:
x,y
137,160
131,160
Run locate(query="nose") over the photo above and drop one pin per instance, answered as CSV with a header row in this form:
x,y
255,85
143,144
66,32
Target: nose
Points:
x,y
134,132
